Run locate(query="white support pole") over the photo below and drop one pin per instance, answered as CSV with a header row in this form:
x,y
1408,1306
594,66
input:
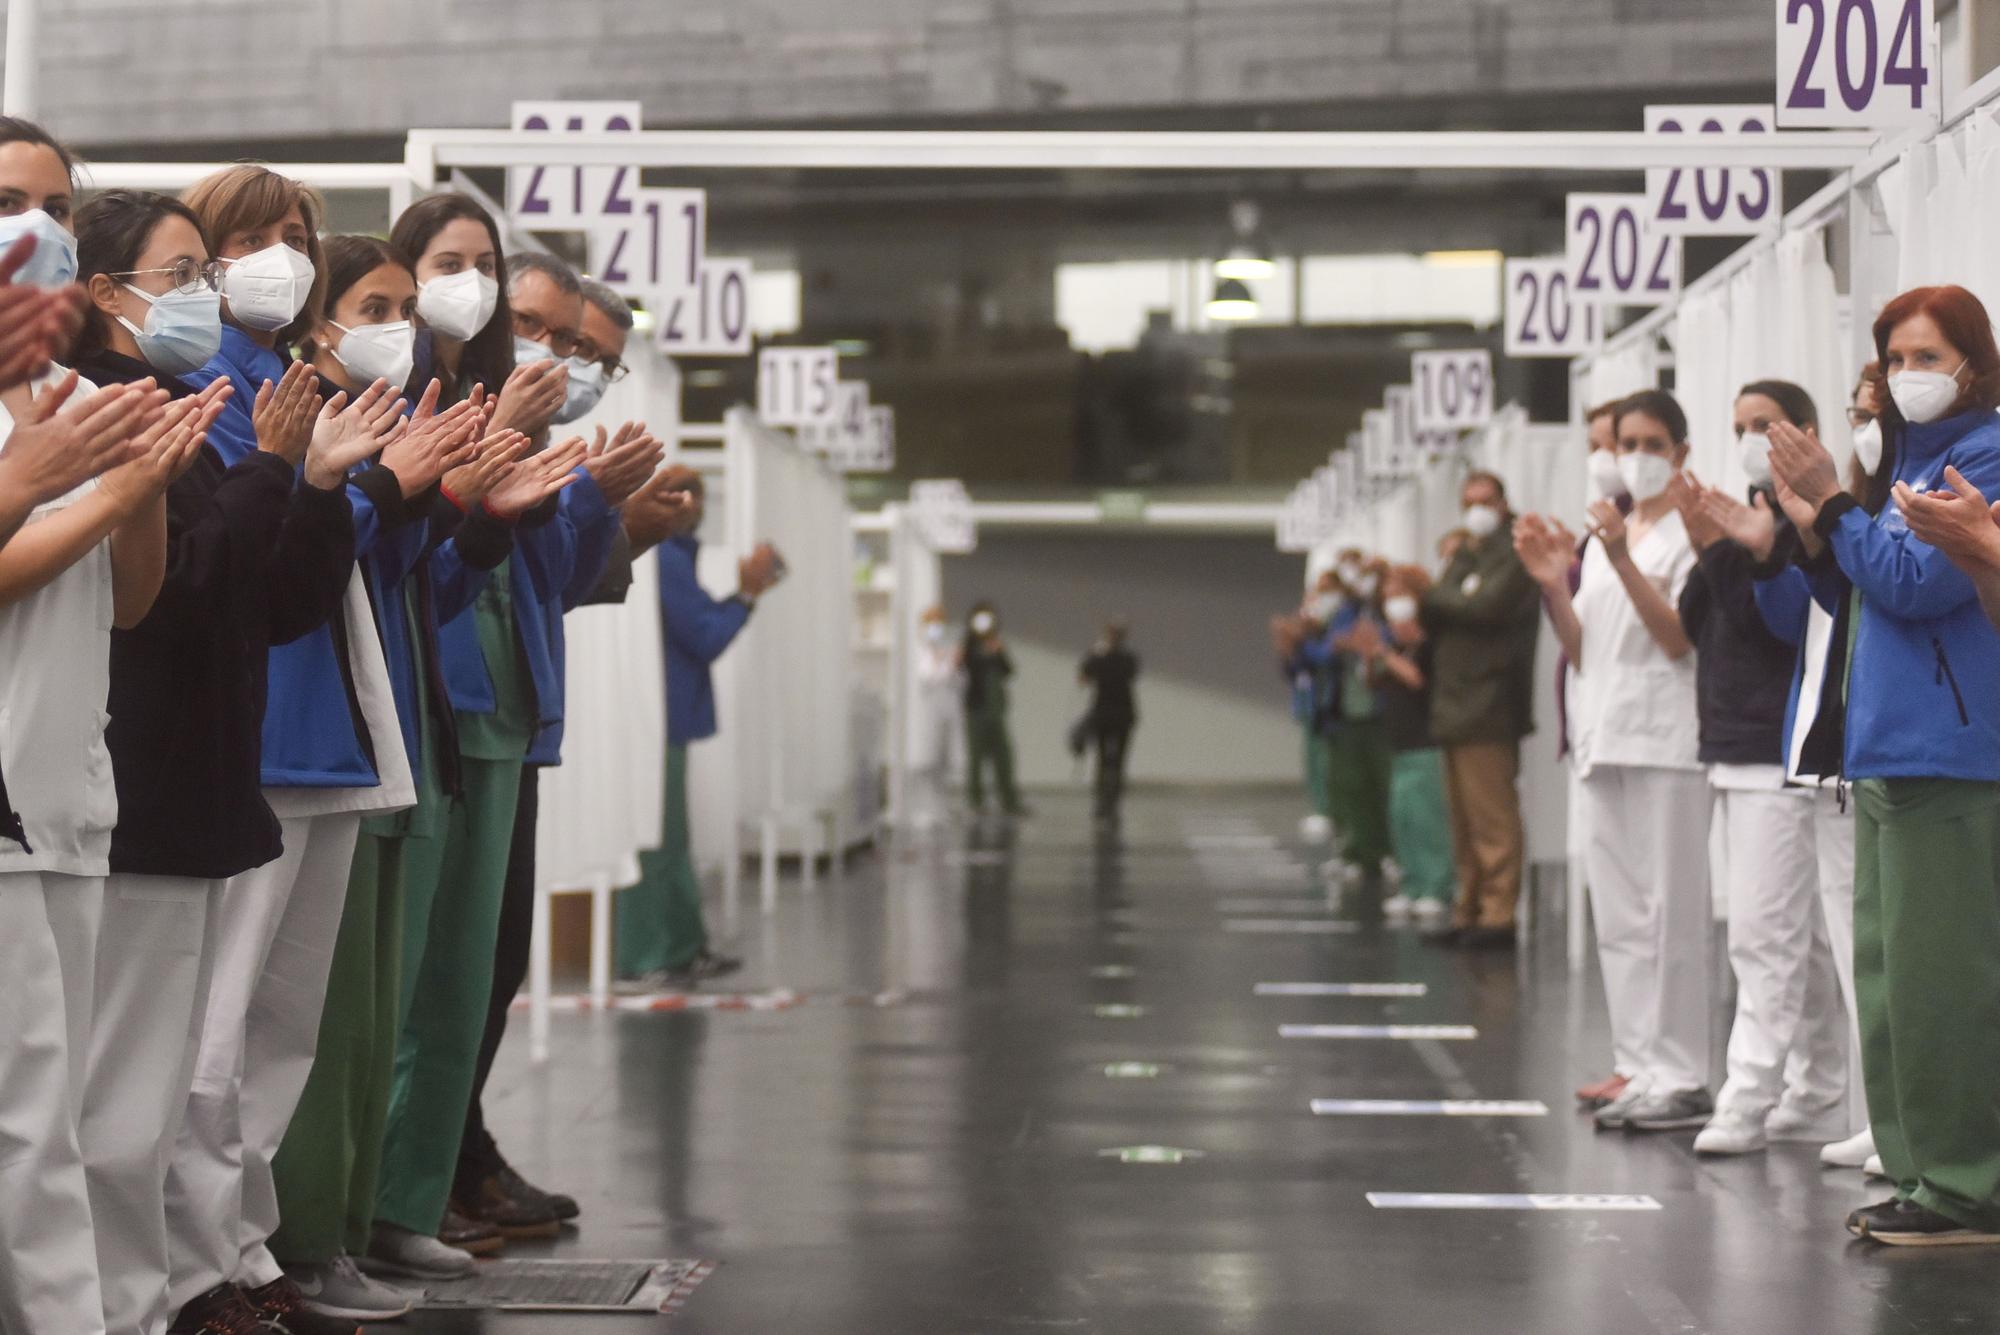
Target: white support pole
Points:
x,y
21,91
539,951
600,941
768,881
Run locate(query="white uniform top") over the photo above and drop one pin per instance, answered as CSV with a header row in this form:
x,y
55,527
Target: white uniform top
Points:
x,y
55,677
1632,705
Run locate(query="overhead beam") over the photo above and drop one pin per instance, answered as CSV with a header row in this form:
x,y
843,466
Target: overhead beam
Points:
x,y
432,151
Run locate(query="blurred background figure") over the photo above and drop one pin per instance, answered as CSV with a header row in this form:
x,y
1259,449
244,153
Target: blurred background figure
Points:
x,y
1110,672
940,712
1419,831
989,743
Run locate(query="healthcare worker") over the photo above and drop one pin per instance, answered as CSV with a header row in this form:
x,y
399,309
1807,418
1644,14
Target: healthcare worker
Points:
x,y
989,742
1402,668
1923,754
1787,1046
940,721
1644,799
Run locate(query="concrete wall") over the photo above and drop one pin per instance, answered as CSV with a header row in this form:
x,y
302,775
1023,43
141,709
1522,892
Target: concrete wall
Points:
x,y
1213,708
222,70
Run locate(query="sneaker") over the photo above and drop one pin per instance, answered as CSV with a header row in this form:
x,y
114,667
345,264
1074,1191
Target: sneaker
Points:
x,y
1788,1122
1611,1117
1854,1152
488,1202
1428,910
1593,1097
709,965
1873,1168
283,1308
653,981
1731,1133
469,1235
338,1288
518,1187
395,1250
1316,830
1859,1221
1686,1110
1911,1225
220,1311
1397,906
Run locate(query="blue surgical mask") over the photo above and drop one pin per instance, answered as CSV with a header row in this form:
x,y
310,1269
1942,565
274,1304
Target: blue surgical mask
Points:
x,y
586,387
183,329
527,352
54,262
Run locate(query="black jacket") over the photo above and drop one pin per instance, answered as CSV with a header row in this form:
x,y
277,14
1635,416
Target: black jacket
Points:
x,y
250,556
1742,673
1111,674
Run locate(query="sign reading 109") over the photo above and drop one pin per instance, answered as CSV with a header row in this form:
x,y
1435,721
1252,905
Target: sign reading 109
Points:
x,y
1857,64
1451,391
1615,259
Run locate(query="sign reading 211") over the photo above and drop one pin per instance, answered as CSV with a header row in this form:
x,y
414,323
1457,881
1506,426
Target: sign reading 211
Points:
x,y
1857,64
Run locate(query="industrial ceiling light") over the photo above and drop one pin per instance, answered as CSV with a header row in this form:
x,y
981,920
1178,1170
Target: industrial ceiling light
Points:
x,y
1232,301
1248,259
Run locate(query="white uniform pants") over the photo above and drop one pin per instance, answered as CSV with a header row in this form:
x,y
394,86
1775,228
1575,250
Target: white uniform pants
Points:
x,y
1646,857
1833,833
273,951
48,958
152,983
1789,1039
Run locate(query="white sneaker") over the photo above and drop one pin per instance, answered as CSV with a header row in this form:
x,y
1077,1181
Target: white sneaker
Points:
x,y
394,1250
1397,906
1731,1133
1873,1168
1429,910
1854,1152
1316,829
1788,1122
339,1289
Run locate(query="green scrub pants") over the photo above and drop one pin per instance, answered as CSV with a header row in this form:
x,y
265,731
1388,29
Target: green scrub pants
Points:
x,y
1418,826
451,919
659,919
987,742
1927,988
328,1166
1358,786
1317,763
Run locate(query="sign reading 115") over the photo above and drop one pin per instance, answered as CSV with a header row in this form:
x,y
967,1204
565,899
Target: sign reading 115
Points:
x,y
1857,64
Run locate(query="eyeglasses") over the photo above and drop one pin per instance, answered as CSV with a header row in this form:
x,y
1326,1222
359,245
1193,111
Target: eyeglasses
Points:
x,y
1859,417
187,277
614,370
561,342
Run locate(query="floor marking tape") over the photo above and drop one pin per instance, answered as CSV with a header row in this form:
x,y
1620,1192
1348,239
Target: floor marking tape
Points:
x,y
1422,1200
1291,926
1429,1108
1343,989
1399,1031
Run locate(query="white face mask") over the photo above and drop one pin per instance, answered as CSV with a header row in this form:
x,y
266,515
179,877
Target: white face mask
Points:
x,y
1755,452
1868,446
1322,607
586,387
934,631
458,305
1481,521
1924,396
267,290
182,331
527,352
1605,478
1645,475
1349,573
1367,584
1401,608
982,623
374,352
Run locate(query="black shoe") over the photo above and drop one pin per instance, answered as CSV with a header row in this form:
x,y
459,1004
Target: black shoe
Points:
x,y
1911,1225
709,965
469,1235
1858,1221
283,1308
1488,938
221,1311
1448,938
555,1202
487,1201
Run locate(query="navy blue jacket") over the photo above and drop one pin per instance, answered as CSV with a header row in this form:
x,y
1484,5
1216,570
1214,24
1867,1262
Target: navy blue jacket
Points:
x,y
698,629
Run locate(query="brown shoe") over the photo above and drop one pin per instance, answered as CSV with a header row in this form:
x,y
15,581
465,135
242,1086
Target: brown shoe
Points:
x,y
490,1203
469,1235
1601,1094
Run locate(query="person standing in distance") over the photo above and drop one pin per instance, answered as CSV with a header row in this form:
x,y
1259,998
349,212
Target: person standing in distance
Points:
x,y
1110,671
1481,619
662,940
988,742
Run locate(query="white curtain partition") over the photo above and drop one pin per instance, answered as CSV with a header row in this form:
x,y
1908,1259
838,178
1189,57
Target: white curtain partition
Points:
x,y
784,687
918,574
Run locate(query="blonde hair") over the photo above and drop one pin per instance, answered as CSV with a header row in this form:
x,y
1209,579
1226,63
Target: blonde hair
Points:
x,y
250,195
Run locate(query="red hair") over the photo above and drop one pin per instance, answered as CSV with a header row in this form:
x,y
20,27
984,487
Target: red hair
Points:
x,y
1963,321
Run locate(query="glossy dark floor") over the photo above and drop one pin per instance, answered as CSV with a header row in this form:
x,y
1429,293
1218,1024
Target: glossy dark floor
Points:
x,y
934,1164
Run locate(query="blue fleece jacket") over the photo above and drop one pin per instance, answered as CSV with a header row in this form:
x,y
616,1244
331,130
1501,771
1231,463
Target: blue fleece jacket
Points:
x,y
698,628
310,739
1923,696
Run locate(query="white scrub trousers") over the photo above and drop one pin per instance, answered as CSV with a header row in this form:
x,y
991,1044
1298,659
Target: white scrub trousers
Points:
x,y
1647,859
48,957
274,949
1789,1038
151,986
1833,833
